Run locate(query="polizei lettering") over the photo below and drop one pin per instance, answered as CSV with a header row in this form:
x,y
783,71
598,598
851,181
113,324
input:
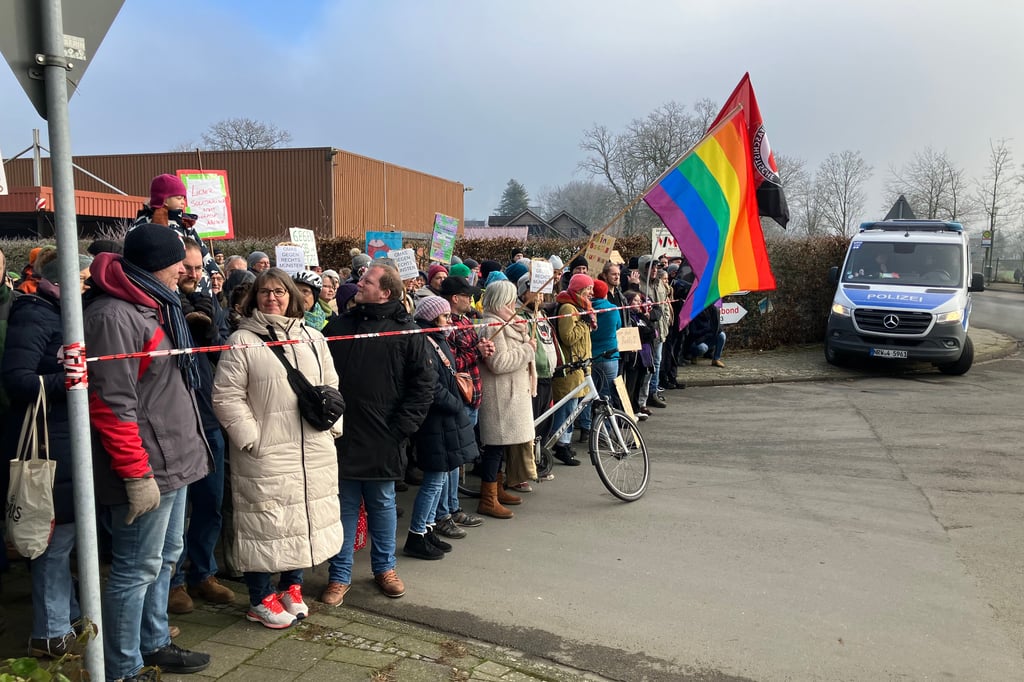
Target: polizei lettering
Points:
x,y
895,297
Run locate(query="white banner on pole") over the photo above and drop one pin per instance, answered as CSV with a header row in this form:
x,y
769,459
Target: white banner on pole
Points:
x,y
405,261
305,238
290,258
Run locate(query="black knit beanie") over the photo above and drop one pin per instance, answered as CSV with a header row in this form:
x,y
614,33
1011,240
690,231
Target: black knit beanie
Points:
x,y
153,247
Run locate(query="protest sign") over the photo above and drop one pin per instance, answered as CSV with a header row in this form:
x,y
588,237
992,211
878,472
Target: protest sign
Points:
x,y
379,243
662,242
599,252
442,242
617,258
208,197
305,238
541,277
405,261
290,257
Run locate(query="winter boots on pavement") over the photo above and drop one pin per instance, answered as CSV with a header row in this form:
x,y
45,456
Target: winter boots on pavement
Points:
x,y
489,504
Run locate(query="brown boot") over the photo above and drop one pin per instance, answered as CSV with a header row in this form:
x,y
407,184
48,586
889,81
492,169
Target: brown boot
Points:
x,y
505,497
489,504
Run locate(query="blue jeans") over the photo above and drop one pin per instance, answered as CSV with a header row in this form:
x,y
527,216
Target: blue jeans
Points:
x,y
448,503
699,349
135,598
259,583
424,509
206,497
381,522
559,418
54,605
604,373
656,350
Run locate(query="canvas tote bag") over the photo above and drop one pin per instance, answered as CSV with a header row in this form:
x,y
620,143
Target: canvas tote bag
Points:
x,y
30,516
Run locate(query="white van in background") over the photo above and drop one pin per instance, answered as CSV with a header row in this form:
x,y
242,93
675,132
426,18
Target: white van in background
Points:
x,y
904,293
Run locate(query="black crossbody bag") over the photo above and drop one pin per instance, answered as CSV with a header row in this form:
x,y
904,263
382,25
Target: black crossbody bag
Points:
x,y
320,406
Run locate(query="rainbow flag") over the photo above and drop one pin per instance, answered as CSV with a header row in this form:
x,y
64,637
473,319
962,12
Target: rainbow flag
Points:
x,y
709,204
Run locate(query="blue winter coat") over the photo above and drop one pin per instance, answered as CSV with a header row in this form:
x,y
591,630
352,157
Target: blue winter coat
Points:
x,y
445,440
34,336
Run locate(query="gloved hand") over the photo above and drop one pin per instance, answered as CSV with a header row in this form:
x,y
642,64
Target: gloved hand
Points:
x,y
143,497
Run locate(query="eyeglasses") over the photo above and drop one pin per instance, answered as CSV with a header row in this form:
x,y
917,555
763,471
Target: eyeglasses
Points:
x,y
193,268
276,293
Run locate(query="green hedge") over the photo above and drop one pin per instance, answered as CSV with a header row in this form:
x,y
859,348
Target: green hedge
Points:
x,y
799,304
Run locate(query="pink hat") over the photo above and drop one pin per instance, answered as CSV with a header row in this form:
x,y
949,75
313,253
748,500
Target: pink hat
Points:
x,y
164,186
579,282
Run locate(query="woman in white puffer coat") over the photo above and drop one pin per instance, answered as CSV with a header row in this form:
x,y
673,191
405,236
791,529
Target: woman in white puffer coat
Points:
x,y
284,472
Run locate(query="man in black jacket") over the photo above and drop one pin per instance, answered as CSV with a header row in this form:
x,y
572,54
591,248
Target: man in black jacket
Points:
x,y
388,386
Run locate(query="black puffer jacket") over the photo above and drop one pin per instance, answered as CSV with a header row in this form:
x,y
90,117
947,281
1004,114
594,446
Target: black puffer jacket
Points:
x,y
388,386
33,339
446,439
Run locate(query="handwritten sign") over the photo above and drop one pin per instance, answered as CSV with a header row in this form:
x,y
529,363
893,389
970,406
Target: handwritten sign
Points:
x,y
208,197
305,238
617,258
442,242
599,252
541,277
290,258
662,242
405,261
379,243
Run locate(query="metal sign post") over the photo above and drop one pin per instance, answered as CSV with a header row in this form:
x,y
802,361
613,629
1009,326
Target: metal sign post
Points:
x,y
55,76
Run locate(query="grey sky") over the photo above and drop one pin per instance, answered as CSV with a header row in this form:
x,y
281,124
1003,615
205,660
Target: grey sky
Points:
x,y
484,91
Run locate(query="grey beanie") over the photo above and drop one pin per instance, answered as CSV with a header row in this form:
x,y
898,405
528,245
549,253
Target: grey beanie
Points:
x,y
360,260
523,285
255,257
51,268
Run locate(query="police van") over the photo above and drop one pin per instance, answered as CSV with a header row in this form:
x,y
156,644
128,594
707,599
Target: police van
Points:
x,y
904,293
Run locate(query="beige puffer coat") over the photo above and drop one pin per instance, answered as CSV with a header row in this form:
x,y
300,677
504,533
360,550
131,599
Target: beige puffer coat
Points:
x,y
284,473
509,381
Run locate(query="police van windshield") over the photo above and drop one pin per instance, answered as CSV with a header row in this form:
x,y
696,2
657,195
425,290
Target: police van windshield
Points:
x,y
929,265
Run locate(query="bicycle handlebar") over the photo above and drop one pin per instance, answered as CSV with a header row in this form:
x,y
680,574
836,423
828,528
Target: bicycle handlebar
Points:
x,y
562,370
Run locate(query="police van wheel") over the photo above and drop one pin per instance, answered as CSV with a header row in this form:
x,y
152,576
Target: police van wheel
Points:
x,y
834,357
963,364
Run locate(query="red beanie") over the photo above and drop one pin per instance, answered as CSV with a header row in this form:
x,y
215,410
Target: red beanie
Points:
x,y
600,288
164,186
434,269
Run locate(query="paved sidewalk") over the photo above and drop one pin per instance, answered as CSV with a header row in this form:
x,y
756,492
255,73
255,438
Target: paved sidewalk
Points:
x,y
807,363
342,643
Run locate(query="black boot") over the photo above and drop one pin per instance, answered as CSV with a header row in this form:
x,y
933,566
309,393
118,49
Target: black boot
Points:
x,y
564,454
417,546
433,539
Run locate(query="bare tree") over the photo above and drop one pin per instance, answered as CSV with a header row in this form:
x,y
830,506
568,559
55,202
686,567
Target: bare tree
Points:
x,y
933,185
186,146
592,202
244,133
631,160
998,191
839,185
801,195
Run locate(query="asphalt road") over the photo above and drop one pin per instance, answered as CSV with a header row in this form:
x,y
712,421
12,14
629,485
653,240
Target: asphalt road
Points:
x,y
866,529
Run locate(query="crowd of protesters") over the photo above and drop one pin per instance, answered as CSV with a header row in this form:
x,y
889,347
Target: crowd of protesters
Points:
x,y
221,434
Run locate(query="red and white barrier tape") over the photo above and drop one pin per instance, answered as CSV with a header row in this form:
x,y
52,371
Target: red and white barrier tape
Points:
x,y
347,337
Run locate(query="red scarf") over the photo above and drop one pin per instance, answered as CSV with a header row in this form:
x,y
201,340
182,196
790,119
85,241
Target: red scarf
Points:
x,y
583,304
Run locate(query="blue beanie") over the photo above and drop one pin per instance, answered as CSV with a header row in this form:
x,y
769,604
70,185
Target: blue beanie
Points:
x,y
495,276
516,270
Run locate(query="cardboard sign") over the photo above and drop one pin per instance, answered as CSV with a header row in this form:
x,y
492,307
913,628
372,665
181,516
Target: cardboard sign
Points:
x,y
442,242
542,277
617,258
290,258
207,196
379,243
662,242
599,252
628,339
307,240
405,261
624,401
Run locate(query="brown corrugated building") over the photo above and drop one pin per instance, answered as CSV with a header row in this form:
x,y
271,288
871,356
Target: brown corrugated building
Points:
x,y
334,192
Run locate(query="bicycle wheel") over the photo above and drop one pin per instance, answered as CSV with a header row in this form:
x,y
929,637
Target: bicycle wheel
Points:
x,y
619,453
544,460
469,480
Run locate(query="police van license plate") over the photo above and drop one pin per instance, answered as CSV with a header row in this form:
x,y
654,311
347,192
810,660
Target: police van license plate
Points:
x,y
888,353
